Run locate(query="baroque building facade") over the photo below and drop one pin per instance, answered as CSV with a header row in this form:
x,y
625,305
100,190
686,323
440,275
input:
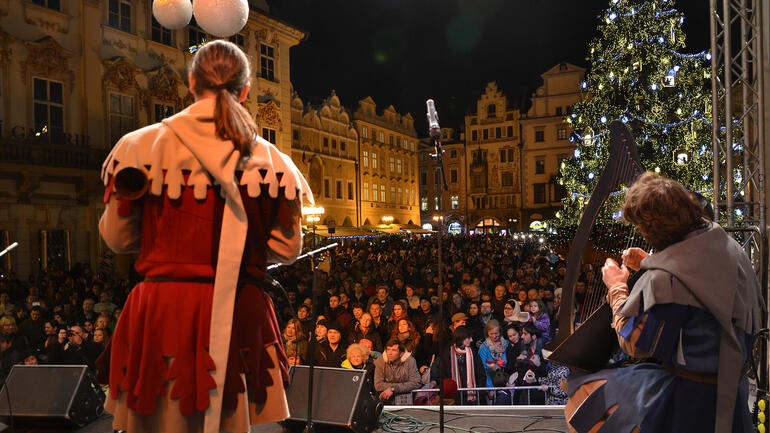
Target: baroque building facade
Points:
x,y
75,75
325,148
492,160
454,200
388,166
545,137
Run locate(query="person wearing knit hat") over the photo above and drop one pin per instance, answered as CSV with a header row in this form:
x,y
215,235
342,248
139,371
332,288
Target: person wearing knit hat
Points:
x,y
331,352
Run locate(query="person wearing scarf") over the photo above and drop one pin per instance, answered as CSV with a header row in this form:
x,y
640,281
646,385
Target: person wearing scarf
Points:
x,y
492,351
466,368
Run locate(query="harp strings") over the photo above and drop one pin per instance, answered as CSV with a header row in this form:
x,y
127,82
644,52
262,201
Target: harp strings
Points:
x,y
609,240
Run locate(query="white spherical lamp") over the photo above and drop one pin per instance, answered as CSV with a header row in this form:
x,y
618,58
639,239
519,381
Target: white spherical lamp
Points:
x,y
172,14
221,18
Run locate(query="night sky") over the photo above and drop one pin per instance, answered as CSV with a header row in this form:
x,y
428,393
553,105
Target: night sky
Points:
x,y
402,52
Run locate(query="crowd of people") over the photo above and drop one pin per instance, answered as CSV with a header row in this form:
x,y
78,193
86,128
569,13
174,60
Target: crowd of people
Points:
x,y
377,310
58,317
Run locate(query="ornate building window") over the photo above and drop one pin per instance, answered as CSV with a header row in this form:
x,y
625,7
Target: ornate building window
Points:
x,y
423,178
392,165
453,175
267,61
366,191
424,204
393,194
268,134
455,201
382,193
365,131
161,34
486,134
238,39
539,193
561,133
540,135
506,178
49,107
374,160
381,137
50,4
327,192
498,132
398,166
475,135
374,192
502,155
435,202
510,131
119,15
365,158
342,146
491,110
339,189
122,116
350,190
162,111
195,34
539,166
399,195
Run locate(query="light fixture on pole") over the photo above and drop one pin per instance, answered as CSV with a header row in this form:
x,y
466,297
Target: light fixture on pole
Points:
x,y
313,216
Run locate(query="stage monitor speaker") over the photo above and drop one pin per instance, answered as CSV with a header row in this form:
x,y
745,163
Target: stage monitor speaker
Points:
x,y
342,400
51,396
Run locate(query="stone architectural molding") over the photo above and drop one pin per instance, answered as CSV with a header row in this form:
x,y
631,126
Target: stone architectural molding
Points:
x,y
5,47
48,59
120,74
269,114
163,85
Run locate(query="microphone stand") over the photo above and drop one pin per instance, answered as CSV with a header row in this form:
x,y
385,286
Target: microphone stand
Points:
x,y
316,260
435,134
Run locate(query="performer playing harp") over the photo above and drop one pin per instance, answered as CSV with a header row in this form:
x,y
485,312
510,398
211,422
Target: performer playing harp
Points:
x,y
198,346
692,313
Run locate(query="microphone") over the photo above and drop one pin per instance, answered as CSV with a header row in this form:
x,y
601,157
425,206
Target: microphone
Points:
x,y
433,128
10,247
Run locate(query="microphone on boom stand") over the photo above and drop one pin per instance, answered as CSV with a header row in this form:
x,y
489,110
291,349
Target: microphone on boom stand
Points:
x,y
435,133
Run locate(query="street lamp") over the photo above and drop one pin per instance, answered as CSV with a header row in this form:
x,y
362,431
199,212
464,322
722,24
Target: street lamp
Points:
x,y
313,216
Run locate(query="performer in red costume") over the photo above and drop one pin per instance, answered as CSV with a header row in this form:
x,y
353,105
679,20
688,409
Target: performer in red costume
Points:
x,y
198,347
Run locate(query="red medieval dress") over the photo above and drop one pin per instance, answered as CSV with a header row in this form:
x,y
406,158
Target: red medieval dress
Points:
x,y
205,231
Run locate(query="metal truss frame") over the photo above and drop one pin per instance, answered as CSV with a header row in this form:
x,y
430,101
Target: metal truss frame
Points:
x,y
738,71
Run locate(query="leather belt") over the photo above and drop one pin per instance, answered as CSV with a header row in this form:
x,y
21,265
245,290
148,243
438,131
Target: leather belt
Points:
x,y
705,378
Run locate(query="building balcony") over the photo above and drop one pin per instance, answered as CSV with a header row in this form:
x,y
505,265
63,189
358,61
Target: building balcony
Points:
x,y
52,153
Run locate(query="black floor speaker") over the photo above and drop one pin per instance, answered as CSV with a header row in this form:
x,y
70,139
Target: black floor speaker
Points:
x,y
51,397
342,400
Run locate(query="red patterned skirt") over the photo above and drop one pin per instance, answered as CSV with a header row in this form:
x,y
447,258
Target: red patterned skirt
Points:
x,y
159,349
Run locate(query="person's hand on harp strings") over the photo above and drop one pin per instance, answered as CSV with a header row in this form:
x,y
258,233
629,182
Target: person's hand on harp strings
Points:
x,y
632,258
616,279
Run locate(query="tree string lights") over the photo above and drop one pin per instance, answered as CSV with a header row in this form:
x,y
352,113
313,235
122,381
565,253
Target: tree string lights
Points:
x,y
639,73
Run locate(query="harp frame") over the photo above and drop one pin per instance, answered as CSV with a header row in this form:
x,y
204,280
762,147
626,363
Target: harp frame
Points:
x,y
623,166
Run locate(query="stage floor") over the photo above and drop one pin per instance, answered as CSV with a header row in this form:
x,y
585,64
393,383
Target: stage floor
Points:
x,y
484,419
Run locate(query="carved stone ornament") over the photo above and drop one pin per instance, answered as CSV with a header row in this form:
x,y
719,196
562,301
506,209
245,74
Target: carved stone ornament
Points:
x,y
269,114
120,73
47,58
163,84
5,50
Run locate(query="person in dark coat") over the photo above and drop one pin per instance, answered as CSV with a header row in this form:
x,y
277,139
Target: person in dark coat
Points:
x,y
331,353
463,365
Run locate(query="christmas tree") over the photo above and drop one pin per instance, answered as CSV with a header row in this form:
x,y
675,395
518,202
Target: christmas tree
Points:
x,y
639,73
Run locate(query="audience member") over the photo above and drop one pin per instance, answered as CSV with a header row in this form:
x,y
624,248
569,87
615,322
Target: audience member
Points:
x,y
395,378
